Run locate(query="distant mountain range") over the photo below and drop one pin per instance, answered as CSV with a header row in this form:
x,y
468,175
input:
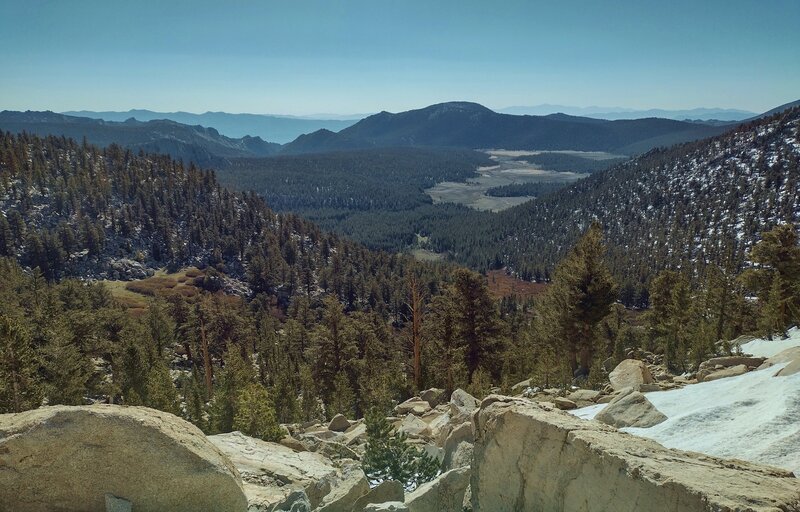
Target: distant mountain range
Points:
x,y
204,146
615,113
447,125
473,126
274,128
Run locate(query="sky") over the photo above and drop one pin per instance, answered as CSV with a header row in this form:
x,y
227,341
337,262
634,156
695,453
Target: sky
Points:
x,y
306,57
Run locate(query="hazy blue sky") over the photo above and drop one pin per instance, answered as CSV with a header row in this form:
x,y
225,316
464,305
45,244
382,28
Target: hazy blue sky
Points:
x,y
347,56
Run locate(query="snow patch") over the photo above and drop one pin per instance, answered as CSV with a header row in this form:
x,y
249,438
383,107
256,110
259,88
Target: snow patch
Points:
x,y
762,347
753,417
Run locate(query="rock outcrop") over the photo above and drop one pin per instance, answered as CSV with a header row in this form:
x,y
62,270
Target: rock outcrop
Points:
x,y
733,371
76,458
351,485
338,423
414,405
434,396
458,448
386,491
273,474
790,356
389,506
726,366
630,373
443,494
532,458
630,409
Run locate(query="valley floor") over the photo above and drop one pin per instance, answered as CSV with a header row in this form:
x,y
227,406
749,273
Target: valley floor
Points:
x,y
508,171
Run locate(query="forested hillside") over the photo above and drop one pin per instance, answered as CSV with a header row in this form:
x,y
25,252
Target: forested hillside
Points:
x,y
285,323
374,196
372,179
680,208
319,316
76,210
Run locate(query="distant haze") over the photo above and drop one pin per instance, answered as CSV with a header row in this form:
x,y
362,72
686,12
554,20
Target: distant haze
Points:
x,y
614,113
272,128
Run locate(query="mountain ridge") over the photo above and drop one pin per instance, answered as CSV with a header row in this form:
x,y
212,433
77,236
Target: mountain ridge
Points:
x,y
474,126
203,145
616,113
274,128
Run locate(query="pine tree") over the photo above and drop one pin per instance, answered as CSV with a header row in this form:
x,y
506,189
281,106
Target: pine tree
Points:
x,y
776,278
20,387
669,317
580,296
310,409
342,399
776,310
236,374
68,371
161,391
286,403
6,237
192,391
255,414
477,322
445,366
389,456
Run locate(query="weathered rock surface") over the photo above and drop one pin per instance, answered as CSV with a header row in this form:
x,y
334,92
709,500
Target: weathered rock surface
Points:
x,y
273,473
630,373
443,494
434,396
521,386
414,405
355,434
464,400
733,371
584,395
630,409
458,448
347,489
728,361
564,404
789,369
722,367
413,426
391,506
68,458
790,355
461,406
339,423
387,491
531,458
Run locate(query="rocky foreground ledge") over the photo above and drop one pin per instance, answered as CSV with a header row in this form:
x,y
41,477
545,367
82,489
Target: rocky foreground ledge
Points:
x,y
63,458
531,457
526,456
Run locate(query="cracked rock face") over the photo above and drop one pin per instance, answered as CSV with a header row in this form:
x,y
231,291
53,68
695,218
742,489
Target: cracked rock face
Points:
x,y
529,457
272,472
78,458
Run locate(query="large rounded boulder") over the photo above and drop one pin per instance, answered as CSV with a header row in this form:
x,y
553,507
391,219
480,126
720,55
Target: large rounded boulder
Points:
x,y
75,458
